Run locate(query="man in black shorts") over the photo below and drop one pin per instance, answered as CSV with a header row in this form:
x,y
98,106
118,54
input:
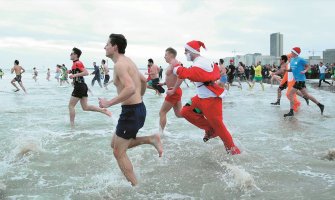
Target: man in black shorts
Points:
x,y
131,85
79,93
231,73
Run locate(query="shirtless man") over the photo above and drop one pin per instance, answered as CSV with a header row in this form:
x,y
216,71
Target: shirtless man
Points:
x,y
241,75
130,85
223,74
35,74
18,71
106,70
154,77
174,93
78,71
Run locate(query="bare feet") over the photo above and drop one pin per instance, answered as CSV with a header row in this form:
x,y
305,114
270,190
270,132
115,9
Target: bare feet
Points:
x,y
156,141
107,112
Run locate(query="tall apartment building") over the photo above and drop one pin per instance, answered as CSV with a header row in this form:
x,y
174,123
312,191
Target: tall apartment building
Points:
x,y
329,56
276,44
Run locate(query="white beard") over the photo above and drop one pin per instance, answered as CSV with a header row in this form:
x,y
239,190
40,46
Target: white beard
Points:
x,y
188,57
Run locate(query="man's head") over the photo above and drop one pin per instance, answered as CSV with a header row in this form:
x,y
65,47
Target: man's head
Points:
x,y
75,54
150,62
116,43
103,62
321,63
259,63
192,49
221,61
16,62
295,51
94,63
283,59
170,53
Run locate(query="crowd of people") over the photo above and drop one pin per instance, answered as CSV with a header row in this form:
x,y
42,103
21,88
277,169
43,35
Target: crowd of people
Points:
x,y
204,110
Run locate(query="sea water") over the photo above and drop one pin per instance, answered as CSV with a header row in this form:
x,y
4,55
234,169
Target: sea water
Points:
x,y
41,157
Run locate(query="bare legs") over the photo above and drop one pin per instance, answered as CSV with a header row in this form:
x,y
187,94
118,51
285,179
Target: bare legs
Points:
x,y
83,101
21,85
166,107
120,147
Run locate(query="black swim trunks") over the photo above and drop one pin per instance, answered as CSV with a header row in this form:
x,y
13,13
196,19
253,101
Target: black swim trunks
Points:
x,y
106,79
283,86
156,86
299,85
131,120
18,78
230,79
80,90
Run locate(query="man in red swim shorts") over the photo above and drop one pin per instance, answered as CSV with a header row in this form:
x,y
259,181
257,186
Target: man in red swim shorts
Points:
x,y
174,93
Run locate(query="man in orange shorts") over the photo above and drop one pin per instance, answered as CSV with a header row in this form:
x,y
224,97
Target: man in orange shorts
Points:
x,y
174,93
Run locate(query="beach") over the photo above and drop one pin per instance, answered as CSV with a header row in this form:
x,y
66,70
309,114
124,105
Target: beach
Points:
x,y
43,158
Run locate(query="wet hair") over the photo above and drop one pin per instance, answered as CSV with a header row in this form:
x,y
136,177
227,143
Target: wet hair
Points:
x,y
76,51
103,61
172,51
16,62
284,58
120,41
221,61
150,60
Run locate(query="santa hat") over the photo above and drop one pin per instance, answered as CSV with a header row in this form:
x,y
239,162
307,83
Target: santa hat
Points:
x,y
194,46
296,50
231,60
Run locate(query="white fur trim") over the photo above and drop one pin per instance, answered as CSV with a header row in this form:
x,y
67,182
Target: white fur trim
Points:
x,y
296,53
191,49
175,70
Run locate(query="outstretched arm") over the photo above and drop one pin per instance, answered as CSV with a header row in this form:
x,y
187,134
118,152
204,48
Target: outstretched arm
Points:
x,y
197,74
143,83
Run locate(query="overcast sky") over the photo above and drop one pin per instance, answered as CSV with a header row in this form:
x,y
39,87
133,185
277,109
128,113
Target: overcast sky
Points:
x,y
41,33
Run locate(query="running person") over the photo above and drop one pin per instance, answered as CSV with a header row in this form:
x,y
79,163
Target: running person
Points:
x,y
205,109
106,72
48,74
322,76
299,67
18,71
241,75
258,76
231,73
131,85
174,93
223,74
282,72
154,76
35,74
78,71
97,74
64,75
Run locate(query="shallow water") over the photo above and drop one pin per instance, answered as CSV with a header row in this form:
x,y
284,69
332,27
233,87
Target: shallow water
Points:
x,y
42,158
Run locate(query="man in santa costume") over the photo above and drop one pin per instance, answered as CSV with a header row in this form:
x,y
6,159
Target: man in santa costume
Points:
x,y
205,109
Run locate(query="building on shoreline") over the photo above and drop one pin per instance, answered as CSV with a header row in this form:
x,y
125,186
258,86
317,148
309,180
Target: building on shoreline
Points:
x,y
276,44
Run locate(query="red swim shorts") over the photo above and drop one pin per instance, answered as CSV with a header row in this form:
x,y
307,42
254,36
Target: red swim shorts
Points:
x,y
173,99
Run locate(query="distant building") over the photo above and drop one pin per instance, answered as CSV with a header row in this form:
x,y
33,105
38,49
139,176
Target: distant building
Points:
x,y
313,60
276,44
252,59
329,56
267,60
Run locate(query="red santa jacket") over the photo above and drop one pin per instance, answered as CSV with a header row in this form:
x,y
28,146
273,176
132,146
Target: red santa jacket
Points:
x,y
203,71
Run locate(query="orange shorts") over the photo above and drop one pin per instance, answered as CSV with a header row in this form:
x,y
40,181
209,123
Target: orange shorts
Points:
x,y
173,99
